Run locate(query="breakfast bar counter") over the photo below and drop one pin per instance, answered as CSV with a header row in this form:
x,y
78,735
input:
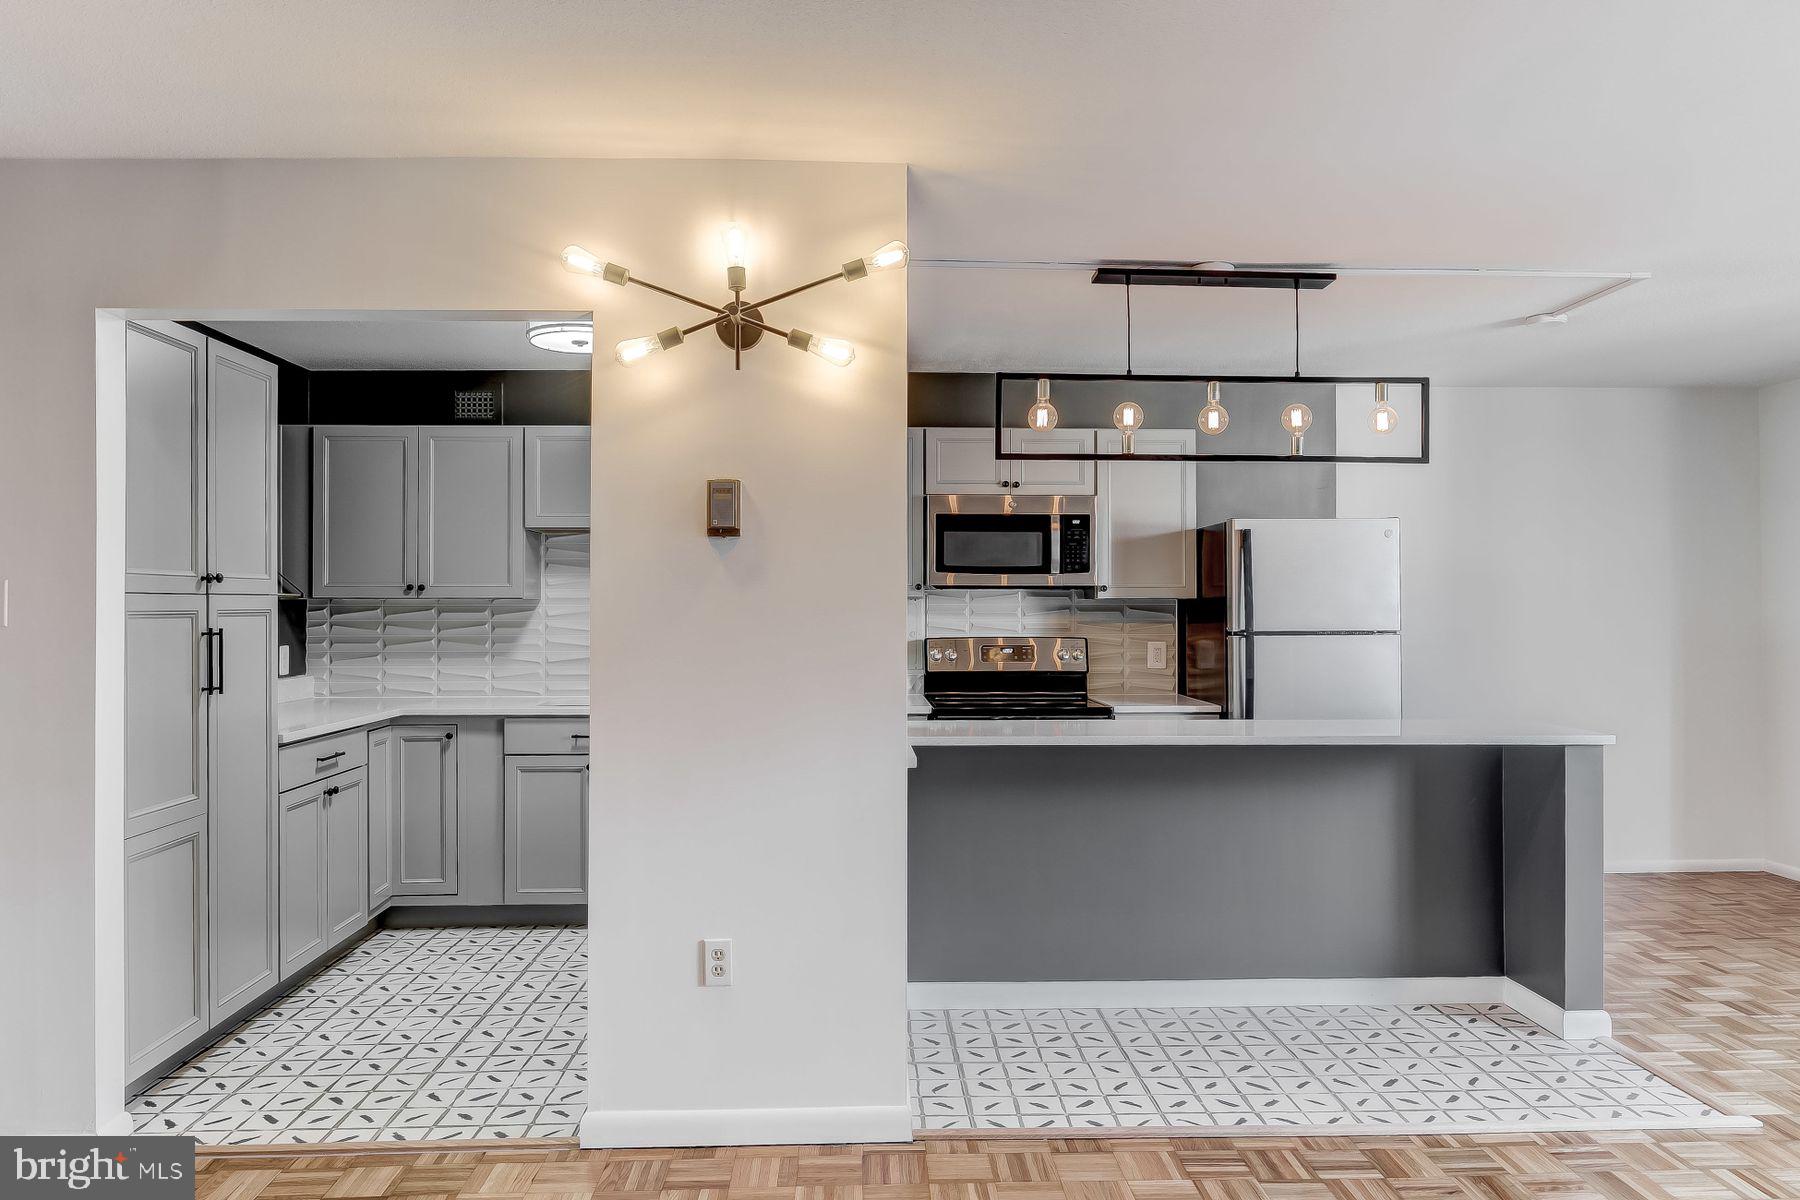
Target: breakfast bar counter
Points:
x,y
1377,859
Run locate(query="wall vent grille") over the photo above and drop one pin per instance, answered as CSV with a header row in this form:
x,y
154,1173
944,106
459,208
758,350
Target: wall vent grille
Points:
x,y
477,404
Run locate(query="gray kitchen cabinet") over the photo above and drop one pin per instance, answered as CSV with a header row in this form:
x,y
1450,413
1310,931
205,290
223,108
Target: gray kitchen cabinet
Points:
x,y
1145,518
410,512
915,510
165,710
471,507
243,492
302,936
425,798
324,867
346,856
546,828
166,1003
383,844
558,476
241,814
165,458
365,521
202,502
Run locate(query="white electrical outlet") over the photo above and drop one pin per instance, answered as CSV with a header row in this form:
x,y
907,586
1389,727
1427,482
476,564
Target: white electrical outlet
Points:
x,y
281,660
1157,655
715,962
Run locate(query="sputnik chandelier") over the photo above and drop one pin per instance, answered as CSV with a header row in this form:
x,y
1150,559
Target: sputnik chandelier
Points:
x,y
739,322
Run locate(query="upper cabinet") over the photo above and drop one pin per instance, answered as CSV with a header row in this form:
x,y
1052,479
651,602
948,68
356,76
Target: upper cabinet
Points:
x,y
961,461
200,464
432,512
1145,518
558,462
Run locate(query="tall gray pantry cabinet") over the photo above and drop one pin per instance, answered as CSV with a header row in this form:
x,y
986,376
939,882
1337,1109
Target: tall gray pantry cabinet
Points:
x,y
201,547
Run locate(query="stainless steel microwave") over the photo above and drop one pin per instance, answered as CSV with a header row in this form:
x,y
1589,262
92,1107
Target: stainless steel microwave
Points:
x,y
1009,541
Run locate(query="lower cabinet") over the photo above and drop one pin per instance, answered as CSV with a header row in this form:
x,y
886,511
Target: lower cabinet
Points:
x,y
546,828
346,857
425,820
324,867
383,845
166,968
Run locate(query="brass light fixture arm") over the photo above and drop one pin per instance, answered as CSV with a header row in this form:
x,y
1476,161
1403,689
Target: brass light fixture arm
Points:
x,y
766,328
805,287
712,308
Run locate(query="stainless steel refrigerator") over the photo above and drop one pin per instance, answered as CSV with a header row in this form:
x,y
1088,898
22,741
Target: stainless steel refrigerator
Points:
x,y
1297,618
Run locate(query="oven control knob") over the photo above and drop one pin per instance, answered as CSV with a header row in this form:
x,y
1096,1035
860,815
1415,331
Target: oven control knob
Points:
x,y
935,655
950,654
1063,656
1078,655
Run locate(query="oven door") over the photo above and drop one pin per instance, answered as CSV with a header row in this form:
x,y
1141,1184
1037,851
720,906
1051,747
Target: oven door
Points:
x,y
1002,542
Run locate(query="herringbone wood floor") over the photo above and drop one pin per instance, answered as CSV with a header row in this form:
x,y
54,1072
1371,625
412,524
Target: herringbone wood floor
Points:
x,y
1703,981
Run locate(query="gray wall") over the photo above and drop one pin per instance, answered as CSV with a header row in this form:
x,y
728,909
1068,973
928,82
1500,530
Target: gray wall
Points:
x,y
1215,863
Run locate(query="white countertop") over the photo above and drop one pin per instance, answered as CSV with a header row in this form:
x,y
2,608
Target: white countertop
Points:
x,y
1185,731
297,720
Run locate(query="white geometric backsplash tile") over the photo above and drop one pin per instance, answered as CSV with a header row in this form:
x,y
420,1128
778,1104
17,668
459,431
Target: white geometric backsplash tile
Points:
x,y
460,647
1118,632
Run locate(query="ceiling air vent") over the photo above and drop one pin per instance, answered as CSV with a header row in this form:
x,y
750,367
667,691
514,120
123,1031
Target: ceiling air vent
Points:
x,y
478,404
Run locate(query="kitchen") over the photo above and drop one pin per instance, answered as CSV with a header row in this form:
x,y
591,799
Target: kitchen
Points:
x,y
1081,625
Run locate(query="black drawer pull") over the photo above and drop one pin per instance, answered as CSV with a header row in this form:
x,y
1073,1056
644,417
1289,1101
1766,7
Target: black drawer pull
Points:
x,y
579,736
322,759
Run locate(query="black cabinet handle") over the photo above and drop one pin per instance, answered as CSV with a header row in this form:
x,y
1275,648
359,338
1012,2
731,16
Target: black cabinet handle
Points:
x,y
325,758
206,686
579,736
219,649
450,737
418,589
330,792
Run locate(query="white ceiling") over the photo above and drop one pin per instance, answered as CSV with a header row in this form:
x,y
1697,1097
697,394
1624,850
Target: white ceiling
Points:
x,y
1627,135
380,344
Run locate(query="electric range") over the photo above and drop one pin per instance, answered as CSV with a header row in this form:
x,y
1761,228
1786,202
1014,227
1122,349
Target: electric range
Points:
x,y
1009,678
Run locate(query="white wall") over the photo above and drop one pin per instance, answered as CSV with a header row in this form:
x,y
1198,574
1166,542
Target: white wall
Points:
x,y
809,823
1590,557
1779,409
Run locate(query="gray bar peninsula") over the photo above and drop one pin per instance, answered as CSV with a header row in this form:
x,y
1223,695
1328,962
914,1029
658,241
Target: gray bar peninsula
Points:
x,y
1149,860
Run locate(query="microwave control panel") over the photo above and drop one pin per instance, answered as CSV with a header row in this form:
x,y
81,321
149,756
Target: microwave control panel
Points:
x,y
1076,542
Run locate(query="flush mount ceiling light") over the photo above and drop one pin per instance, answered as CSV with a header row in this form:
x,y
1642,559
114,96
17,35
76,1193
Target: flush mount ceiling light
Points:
x,y
739,322
564,337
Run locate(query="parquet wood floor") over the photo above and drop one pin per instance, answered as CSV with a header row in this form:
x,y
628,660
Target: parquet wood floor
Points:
x,y
1703,981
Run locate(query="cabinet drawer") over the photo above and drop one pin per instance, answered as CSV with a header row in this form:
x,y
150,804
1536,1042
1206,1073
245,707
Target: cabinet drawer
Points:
x,y
303,762
547,735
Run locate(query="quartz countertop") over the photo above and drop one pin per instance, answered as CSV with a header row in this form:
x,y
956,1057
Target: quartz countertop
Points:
x,y
1158,730
297,720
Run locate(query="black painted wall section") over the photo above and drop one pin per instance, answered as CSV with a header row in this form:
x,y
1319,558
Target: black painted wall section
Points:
x,y
428,397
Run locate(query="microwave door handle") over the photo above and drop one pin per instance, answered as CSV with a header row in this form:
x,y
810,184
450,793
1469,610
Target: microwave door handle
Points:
x,y
1055,546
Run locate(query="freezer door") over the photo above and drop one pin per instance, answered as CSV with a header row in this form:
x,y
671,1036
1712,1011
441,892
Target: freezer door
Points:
x,y
1307,576
1321,677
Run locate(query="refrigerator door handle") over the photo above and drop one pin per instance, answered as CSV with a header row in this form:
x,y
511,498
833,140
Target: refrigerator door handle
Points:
x,y
1248,601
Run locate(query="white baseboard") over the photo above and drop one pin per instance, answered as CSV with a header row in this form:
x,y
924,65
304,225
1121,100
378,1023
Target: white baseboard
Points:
x,y
1575,1025
1665,866
612,1130
117,1125
1204,993
1783,870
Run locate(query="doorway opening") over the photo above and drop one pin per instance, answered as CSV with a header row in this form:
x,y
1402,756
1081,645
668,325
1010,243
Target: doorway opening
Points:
x,y
343,638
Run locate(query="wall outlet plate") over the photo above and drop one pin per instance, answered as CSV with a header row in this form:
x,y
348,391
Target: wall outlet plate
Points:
x,y
1157,655
715,962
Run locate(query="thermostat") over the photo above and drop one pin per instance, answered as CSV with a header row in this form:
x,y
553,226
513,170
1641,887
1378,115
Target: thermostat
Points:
x,y
723,503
